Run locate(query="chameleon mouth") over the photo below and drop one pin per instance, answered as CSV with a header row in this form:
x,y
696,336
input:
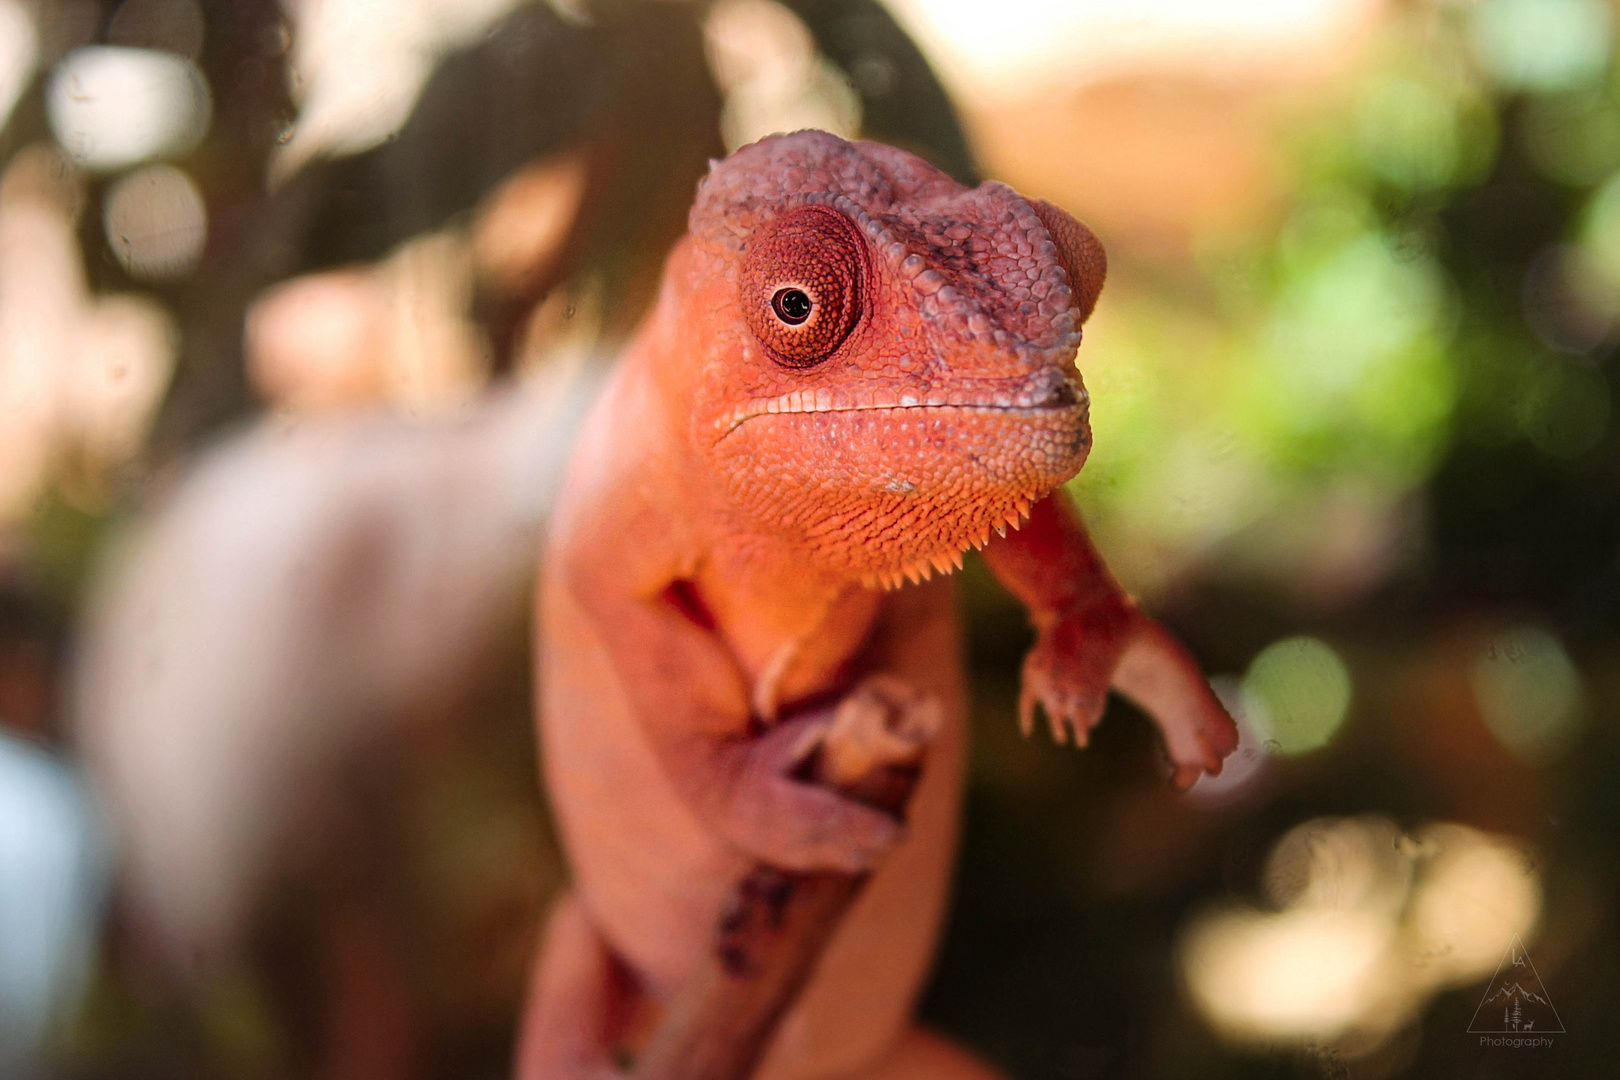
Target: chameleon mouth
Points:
x,y
1046,395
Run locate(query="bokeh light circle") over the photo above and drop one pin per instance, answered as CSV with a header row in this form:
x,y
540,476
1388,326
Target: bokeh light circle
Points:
x,y
1564,408
1297,692
19,51
156,223
112,107
1529,692
1543,45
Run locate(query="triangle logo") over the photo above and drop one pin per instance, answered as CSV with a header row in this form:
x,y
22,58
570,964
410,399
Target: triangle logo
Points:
x,y
1515,1002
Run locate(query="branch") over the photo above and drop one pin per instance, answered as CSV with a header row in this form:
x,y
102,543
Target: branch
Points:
x,y
776,923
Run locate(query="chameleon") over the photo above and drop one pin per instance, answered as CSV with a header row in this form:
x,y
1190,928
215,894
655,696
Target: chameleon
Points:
x,y
855,371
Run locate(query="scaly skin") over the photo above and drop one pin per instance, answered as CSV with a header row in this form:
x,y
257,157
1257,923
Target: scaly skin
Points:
x,y
761,480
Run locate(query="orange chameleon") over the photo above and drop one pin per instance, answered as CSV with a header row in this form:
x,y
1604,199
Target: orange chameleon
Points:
x,y
856,370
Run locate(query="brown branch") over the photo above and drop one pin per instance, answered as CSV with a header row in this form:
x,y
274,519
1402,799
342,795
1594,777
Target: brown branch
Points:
x,y
776,923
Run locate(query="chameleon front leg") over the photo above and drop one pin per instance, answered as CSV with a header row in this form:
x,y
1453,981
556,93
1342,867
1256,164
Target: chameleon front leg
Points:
x,y
1091,634
735,774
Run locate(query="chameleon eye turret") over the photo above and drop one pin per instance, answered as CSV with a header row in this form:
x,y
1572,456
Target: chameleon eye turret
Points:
x,y
800,287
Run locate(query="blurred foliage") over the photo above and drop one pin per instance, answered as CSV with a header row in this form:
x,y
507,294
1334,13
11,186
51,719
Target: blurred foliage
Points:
x,y
1440,286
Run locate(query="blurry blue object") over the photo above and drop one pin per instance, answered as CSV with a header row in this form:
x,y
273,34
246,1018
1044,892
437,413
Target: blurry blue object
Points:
x,y
53,870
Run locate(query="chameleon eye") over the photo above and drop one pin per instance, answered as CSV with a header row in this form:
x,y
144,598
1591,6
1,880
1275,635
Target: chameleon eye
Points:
x,y
800,284
792,306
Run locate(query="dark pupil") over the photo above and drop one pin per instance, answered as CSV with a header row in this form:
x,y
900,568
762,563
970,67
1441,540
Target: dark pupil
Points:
x,y
792,306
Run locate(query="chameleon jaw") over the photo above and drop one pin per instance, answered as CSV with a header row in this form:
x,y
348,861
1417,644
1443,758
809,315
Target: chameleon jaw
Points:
x,y
902,481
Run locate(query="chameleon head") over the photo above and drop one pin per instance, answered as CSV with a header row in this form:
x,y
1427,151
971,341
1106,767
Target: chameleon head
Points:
x,y
886,357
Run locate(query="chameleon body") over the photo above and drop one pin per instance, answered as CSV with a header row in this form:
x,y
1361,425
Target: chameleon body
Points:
x,y
857,370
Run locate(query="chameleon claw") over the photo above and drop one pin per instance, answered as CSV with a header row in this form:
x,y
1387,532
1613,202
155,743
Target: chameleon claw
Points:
x,y
1060,730
1082,734
1185,776
1026,713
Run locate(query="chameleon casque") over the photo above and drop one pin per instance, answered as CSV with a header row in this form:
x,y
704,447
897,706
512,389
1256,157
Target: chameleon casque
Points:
x,y
856,370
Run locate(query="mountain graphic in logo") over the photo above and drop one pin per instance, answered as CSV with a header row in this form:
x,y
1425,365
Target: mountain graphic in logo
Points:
x,y
1515,1002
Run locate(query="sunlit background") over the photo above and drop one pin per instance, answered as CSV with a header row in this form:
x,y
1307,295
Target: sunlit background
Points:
x,y
299,302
